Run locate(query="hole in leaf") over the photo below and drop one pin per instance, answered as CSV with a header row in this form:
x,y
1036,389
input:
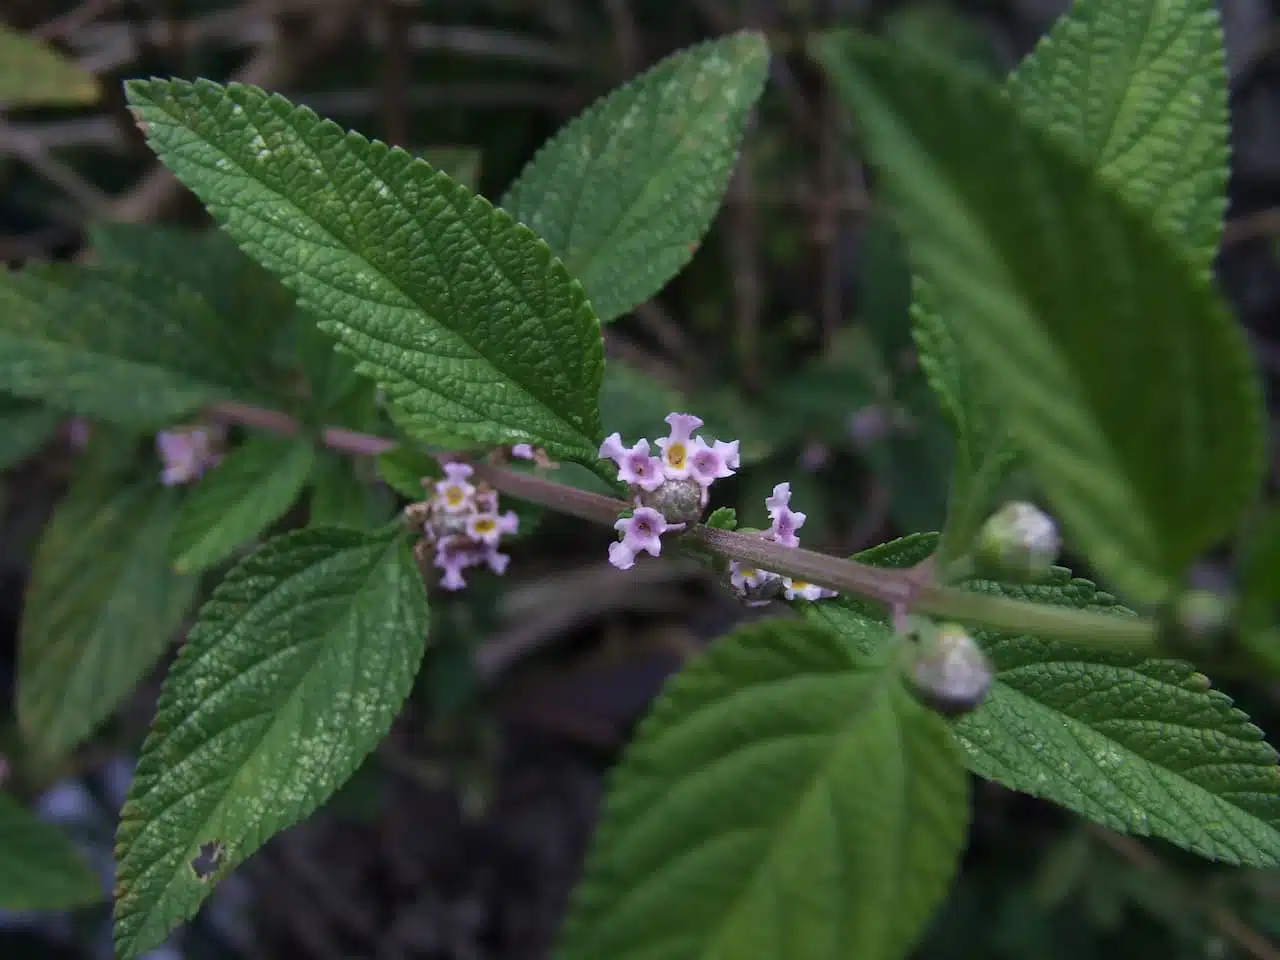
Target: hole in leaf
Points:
x,y
211,856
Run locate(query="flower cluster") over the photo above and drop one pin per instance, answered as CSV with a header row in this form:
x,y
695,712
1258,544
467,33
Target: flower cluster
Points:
x,y
670,490
188,453
757,586
463,526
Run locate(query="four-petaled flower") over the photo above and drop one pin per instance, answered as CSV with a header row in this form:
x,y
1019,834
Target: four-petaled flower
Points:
x,y
755,585
676,452
454,494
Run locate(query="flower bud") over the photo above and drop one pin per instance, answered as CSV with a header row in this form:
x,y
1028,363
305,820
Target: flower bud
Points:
x,y
1019,540
1198,622
948,670
679,501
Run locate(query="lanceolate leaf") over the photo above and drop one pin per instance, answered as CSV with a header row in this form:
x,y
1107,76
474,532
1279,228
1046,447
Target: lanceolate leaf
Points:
x,y
102,607
625,192
1062,293
786,798
294,672
462,315
1139,745
115,344
239,499
34,74
1140,90
39,867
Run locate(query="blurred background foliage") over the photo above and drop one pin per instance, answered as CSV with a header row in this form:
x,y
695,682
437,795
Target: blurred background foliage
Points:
x,y
462,835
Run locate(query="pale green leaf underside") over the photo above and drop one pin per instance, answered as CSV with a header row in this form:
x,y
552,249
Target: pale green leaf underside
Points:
x,y
242,497
1119,371
786,798
1139,88
294,672
101,608
1139,745
40,869
625,192
462,315
32,73
115,344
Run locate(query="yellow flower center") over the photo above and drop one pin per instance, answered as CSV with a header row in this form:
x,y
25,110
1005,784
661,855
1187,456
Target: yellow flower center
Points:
x,y
676,455
799,584
454,496
484,526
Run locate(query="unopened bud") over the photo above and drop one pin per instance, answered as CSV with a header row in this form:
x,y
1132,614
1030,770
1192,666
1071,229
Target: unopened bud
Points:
x,y
1199,621
1019,540
679,501
949,672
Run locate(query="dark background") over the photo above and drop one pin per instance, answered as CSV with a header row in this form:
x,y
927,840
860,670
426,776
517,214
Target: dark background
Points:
x,y
462,835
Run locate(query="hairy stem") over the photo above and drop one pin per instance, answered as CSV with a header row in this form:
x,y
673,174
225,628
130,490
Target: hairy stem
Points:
x,y
895,588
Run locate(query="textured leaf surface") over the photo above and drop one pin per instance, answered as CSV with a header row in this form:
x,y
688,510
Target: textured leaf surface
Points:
x,y
403,468
1061,291
101,608
1140,89
1139,745
24,429
462,315
241,498
40,869
786,798
116,344
625,192
32,73
1136,744
294,672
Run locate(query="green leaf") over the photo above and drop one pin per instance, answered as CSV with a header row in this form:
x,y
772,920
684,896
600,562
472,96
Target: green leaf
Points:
x,y
101,608
253,487
723,518
786,798
403,468
460,314
294,672
1140,90
24,429
339,498
337,394
250,302
120,345
636,404
625,192
32,73
40,869
1139,745
1061,290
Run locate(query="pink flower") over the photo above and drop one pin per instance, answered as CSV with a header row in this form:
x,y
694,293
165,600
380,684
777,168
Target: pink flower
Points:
x,y
785,520
488,528
523,451
708,464
635,466
454,493
676,447
187,453
642,531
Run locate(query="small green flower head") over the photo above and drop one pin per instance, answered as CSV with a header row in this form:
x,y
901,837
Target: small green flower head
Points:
x,y
1019,540
948,671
